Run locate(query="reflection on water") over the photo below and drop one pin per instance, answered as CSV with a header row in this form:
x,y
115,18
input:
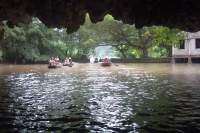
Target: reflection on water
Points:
x,y
136,98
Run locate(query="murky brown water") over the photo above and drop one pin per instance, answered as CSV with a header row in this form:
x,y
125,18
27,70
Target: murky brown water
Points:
x,y
135,98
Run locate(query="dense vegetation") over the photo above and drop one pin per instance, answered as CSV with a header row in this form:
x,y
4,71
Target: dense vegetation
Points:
x,y
37,43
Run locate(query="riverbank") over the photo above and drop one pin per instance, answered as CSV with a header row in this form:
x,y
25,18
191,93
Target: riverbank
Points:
x,y
142,60
114,60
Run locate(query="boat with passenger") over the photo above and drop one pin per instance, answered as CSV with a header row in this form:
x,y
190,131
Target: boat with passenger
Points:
x,y
54,63
106,62
68,62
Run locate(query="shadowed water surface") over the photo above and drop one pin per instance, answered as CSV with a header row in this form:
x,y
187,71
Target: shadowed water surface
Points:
x,y
135,98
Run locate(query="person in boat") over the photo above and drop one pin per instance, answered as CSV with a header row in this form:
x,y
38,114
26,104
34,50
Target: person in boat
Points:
x,y
57,60
70,60
52,61
66,61
106,60
100,59
96,60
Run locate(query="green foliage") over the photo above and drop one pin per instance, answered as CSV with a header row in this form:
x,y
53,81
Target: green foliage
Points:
x,y
37,43
155,41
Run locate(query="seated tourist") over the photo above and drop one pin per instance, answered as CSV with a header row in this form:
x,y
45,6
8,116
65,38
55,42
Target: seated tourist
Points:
x,y
51,61
66,61
70,60
57,60
106,60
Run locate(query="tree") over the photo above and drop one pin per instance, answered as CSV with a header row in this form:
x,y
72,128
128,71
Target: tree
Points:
x,y
125,37
37,43
165,37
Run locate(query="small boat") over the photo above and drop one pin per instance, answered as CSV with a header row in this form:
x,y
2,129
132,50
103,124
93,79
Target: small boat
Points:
x,y
68,64
106,64
58,65
51,66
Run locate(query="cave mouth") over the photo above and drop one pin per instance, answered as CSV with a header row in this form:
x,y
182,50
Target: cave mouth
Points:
x,y
71,14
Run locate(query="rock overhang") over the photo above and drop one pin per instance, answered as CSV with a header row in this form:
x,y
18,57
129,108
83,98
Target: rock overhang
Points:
x,y
182,14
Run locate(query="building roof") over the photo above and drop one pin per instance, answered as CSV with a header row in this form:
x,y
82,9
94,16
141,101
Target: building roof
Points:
x,y
193,35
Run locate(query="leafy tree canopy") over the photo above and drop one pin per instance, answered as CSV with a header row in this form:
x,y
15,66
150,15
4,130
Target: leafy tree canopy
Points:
x,y
37,43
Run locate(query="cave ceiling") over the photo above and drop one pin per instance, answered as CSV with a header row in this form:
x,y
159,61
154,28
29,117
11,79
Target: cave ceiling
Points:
x,y
182,14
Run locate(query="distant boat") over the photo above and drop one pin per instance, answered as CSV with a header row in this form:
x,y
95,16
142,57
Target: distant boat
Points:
x,y
106,62
68,64
51,66
57,65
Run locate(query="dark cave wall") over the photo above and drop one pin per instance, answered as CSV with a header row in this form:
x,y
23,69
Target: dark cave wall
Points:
x,y
182,14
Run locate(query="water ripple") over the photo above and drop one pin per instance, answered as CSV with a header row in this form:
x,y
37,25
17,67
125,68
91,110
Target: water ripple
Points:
x,y
95,99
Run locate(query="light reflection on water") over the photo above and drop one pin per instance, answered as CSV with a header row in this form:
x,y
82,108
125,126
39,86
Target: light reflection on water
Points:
x,y
89,98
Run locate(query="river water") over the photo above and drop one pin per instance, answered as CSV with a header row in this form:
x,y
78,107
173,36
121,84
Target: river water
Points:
x,y
135,98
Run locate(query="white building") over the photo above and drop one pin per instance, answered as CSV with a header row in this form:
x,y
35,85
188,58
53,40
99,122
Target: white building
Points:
x,y
189,49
